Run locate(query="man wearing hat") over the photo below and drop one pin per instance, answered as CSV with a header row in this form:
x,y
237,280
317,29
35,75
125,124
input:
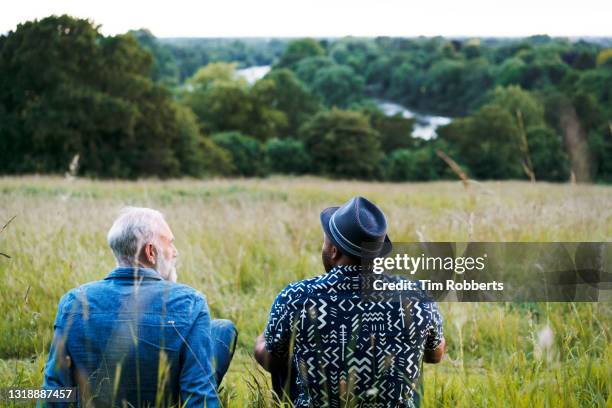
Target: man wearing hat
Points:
x,y
327,345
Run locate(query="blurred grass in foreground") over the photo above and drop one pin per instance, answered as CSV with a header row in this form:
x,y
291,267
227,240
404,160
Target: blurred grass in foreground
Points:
x,y
241,241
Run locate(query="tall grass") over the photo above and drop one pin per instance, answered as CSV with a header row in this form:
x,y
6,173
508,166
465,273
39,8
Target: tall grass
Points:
x,y
242,241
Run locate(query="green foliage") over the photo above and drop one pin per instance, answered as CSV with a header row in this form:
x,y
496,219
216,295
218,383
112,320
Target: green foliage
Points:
x,y
246,153
281,91
449,86
224,102
306,70
338,86
115,100
395,131
287,156
199,155
487,142
517,101
511,71
206,76
550,161
298,50
412,165
598,82
164,68
94,98
342,144
604,57
600,143
189,54
492,140
353,52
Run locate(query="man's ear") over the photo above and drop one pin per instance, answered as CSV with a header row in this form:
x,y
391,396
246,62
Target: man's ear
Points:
x,y
149,251
335,253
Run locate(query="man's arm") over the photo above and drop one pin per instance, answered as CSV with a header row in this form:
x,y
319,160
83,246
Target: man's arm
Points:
x,y
197,380
58,370
268,361
435,356
435,344
272,347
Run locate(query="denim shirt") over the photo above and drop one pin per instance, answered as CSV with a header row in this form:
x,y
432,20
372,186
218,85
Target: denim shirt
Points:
x,y
133,337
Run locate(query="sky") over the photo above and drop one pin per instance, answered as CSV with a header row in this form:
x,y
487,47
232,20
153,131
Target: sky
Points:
x,y
328,18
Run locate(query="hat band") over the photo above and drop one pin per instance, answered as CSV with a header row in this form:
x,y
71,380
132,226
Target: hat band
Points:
x,y
345,243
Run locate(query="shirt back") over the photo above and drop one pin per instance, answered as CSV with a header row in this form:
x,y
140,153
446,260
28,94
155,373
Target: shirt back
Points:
x,y
134,338
349,350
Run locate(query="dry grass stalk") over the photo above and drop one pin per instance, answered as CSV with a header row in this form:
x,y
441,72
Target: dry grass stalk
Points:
x,y
527,164
2,230
454,167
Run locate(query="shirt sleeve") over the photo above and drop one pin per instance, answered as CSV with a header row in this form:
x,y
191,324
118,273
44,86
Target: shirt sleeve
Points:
x,y
434,332
282,321
197,380
58,370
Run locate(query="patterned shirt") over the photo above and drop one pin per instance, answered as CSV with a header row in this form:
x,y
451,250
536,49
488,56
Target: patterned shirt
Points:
x,y
349,350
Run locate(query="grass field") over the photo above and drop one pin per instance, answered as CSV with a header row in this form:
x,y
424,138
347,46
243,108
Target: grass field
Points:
x,y
242,241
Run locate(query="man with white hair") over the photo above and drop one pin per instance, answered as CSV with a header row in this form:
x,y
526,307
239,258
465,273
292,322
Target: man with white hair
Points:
x,y
137,338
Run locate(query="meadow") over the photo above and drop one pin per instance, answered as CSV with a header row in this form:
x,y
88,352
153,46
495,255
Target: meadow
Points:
x,y
242,240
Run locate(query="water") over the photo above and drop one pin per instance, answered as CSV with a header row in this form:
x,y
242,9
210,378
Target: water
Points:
x,y
424,127
252,74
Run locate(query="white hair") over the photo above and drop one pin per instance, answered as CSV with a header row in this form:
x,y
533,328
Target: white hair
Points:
x,y
135,227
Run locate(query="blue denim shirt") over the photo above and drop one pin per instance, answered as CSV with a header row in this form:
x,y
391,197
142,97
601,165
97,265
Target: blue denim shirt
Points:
x,y
134,337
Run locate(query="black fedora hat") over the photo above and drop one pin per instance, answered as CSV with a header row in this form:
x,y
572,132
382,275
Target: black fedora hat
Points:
x,y
357,228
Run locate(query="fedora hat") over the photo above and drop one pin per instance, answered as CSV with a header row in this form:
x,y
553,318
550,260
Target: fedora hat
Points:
x,y
357,228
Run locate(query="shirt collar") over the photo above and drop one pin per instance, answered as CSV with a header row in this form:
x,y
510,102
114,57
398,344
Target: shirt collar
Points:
x,y
347,269
129,272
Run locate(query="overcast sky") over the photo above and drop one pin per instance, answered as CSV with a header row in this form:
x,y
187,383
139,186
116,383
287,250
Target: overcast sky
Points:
x,y
327,18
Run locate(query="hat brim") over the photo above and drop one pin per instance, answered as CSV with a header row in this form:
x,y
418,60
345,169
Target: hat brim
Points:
x,y
326,215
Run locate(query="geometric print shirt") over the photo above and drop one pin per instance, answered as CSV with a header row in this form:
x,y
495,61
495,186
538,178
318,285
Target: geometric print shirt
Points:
x,y
350,350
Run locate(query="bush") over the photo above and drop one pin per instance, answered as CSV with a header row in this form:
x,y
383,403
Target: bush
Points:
x,y
287,156
246,153
413,165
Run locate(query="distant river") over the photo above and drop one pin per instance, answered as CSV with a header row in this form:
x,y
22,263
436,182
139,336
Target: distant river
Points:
x,y
424,127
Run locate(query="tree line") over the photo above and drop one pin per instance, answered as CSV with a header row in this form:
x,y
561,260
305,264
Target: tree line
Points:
x,y
132,105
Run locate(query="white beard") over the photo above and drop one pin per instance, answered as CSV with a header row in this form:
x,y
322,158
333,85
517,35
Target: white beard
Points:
x,y
166,268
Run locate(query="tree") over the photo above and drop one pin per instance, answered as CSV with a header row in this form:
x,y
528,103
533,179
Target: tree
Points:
x,y
206,76
298,50
94,98
604,57
511,71
395,131
306,70
164,65
224,102
354,52
513,99
338,86
282,91
487,142
221,106
550,161
342,144
198,155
